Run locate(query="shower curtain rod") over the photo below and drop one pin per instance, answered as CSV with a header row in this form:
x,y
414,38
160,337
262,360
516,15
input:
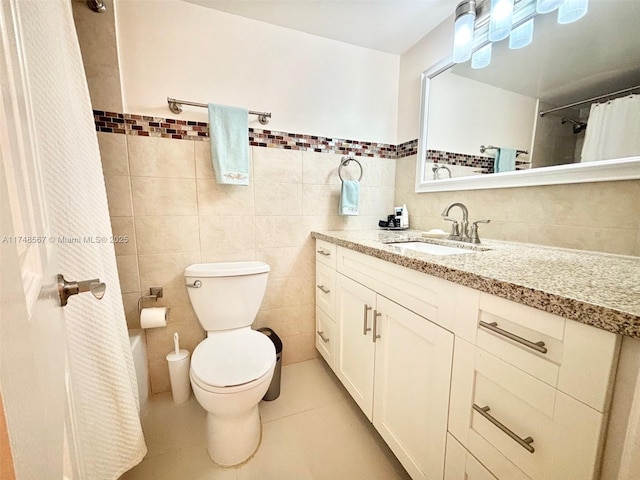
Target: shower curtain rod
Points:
x,y
589,100
175,106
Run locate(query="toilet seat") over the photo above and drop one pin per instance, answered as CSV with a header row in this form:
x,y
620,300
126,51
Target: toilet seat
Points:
x,y
234,358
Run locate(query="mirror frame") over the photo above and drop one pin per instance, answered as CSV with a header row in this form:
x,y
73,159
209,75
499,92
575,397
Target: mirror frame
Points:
x,y
600,171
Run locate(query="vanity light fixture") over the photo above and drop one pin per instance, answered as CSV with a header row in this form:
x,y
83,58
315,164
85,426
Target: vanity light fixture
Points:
x,y
463,31
482,57
521,36
546,6
500,21
477,25
572,10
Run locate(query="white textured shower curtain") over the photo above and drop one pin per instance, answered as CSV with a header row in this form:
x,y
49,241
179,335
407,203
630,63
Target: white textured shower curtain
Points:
x,y
105,431
613,130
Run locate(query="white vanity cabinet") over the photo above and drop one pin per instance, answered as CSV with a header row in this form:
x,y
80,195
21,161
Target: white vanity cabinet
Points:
x,y
530,391
397,366
512,392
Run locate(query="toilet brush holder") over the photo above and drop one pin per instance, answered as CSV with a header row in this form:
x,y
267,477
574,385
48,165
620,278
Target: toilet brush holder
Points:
x,y
179,375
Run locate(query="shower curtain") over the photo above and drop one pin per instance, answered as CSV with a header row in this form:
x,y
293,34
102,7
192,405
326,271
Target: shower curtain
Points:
x,y
613,130
104,426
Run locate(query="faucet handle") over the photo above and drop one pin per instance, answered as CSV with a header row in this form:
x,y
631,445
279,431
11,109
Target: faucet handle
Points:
x,y
455,228
473,236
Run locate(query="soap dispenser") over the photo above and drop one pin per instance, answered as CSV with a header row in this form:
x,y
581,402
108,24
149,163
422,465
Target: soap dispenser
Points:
x,y
404,219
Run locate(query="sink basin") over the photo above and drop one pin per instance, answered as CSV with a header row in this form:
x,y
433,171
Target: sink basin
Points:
x,y
431,248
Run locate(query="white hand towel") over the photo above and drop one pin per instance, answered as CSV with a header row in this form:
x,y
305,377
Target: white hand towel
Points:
x,y
228,132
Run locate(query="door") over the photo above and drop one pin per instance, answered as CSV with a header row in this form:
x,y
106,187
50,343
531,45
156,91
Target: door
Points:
x,y
355,355
32,354
413,366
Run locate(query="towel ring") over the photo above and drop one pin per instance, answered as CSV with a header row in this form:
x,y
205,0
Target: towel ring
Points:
x,y
344,162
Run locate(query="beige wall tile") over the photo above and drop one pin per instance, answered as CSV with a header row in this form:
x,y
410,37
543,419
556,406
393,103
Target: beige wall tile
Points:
x,y
320,168
406,171
289,291
239,255
204,164
113,153
119,196
161,157
273,165
287,321
609,240
104,87
122,228
372,171
165,270
130,303
278,199
289,261
128,273
636,250
320,199
275,231
164,196
167,235
96,33
227,234
299,348
224,200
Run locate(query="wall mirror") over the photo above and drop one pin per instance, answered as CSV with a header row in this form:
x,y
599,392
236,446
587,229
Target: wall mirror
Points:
x,y
468,114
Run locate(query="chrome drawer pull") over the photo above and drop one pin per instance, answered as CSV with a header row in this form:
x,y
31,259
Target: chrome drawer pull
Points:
x,y
523,442
493,326
366,309
323,252
322,289
376,314
321,335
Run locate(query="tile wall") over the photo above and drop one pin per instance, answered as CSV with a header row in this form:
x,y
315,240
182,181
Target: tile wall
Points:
x,y
162,195
602,216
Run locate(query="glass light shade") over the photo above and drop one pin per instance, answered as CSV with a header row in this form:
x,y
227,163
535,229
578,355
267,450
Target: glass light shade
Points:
x,y
522,35
572,10
481,58
546,6
463,37
500,21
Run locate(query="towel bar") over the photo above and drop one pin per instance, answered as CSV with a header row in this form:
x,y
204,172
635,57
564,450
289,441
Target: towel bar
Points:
x,y
344,162
175,106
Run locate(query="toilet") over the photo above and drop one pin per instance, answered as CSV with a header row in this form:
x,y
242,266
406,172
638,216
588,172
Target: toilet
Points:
x,y
232,368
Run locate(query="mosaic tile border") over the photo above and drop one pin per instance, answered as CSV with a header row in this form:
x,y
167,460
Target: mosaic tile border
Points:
x,y
144,125
482,163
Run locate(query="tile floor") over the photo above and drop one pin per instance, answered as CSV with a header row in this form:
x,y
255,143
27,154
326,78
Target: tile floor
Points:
x,y
313,431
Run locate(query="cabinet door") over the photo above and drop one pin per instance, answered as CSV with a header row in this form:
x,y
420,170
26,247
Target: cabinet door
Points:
x,y
413,369
355,347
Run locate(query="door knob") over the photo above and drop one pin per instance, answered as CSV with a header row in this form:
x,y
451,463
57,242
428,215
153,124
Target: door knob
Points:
x,y
66,289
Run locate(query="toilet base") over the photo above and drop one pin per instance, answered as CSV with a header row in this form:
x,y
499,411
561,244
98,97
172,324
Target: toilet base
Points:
x,y
233,440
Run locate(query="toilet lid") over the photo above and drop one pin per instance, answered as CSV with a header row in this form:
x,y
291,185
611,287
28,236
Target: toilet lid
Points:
x,y
225,359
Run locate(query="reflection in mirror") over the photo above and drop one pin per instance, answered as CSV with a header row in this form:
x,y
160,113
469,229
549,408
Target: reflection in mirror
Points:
x,y
486,121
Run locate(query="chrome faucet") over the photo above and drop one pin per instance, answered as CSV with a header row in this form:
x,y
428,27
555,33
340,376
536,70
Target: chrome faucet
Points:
x,y
456,233
436,168
461,232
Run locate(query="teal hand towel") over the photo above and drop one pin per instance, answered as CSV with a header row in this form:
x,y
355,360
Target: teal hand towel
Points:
x,y
349,197
505,160
228,132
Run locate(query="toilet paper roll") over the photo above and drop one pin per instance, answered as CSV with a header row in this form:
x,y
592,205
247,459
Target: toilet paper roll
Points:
x,y
154,317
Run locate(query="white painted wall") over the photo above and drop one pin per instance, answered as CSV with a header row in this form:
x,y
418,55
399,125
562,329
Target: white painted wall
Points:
x,y
311,85
431,49
455,105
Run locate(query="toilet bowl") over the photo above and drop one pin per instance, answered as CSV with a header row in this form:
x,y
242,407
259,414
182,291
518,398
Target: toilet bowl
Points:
x,y
232,368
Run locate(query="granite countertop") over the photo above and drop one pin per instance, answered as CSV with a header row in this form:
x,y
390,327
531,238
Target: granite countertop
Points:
x,y
598,289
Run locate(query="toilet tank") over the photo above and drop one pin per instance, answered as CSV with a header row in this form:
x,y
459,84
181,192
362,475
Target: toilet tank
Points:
x,y
229,294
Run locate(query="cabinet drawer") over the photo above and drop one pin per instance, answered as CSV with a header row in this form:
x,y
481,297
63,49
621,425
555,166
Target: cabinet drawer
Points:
x,y
416,291
577,359
505,416
461,465
326,253
325,336
326,289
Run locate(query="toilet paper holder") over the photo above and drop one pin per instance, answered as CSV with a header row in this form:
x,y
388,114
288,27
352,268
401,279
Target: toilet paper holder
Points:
x,y
154,293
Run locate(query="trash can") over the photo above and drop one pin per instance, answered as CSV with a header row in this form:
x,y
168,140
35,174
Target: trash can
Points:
x,y
179,375
274,387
